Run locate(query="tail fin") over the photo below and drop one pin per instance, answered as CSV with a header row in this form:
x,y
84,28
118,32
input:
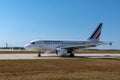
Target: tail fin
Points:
x,y
96,34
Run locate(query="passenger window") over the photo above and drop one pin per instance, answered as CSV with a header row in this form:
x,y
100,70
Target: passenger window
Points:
x,y
33,43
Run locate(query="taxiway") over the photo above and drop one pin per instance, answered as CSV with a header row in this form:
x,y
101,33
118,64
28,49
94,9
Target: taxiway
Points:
x,y
54,56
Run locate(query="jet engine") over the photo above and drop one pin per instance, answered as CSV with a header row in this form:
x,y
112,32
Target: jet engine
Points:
x,y
61,52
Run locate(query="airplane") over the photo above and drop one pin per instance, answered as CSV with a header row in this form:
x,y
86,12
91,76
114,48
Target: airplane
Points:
x,y
63,48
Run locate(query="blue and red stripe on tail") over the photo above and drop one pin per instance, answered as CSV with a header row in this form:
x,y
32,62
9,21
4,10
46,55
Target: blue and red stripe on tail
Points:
x,y
96,34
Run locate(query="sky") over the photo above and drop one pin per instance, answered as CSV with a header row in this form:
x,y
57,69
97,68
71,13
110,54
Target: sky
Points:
x,y
24,20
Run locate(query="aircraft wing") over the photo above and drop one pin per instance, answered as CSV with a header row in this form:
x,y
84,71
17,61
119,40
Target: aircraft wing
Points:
x,y
83,46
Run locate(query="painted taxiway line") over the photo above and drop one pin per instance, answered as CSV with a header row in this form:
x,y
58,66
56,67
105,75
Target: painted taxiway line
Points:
x,y
54,56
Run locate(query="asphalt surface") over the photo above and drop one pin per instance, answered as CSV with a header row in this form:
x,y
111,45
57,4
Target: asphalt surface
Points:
x,y
54,56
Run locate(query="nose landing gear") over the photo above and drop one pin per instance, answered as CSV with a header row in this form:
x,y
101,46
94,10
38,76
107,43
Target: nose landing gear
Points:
x,y
39,55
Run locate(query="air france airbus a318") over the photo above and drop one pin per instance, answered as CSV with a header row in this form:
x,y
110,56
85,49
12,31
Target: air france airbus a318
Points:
x,y
64,48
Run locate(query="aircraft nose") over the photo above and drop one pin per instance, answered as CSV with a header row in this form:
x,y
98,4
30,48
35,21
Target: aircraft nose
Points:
x,y
27,46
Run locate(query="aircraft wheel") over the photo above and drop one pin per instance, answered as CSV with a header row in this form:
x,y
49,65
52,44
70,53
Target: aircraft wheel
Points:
x,y
39,55
72,55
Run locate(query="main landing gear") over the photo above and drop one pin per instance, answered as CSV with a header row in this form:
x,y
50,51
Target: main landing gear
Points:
x,y
72,55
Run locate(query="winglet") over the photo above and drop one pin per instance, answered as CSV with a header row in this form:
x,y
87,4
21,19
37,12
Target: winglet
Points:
x,y
96,34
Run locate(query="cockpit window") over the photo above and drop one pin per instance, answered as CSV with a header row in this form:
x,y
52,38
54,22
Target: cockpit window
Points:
x,y
33,43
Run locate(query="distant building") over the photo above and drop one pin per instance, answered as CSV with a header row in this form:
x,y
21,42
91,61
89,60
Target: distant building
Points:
x,y
13,48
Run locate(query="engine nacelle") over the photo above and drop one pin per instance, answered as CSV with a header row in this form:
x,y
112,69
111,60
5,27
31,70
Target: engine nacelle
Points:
x,y
61,52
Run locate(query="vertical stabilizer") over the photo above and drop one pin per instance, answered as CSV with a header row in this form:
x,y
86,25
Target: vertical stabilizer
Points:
x,y
96,34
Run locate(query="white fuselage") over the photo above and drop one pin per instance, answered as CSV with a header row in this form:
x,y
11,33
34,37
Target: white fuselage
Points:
x,y
53,45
